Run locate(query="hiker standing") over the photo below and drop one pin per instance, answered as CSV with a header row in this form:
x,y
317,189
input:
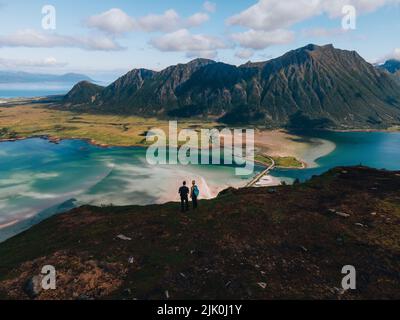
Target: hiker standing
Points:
x,y
184,193
194,194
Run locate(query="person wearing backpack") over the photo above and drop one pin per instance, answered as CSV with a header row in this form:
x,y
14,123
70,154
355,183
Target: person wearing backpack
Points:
x,y
194,194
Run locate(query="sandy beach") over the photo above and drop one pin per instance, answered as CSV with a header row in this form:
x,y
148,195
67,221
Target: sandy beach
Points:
x,y
276,143
280,143
208,186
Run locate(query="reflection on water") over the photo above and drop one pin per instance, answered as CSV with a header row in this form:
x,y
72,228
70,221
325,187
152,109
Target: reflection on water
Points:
x,y
38,179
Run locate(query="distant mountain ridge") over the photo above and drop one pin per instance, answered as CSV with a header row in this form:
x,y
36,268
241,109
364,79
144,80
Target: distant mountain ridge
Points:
x,y
392,66
25,77
313,86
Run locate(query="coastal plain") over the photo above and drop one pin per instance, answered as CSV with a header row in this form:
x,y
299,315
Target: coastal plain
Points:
x,y
22,121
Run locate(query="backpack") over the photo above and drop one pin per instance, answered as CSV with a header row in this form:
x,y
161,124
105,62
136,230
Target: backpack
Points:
x,y
196,191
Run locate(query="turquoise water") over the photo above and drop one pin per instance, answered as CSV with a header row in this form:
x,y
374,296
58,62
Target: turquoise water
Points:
x,y
39,178
7,94
374,149
28,90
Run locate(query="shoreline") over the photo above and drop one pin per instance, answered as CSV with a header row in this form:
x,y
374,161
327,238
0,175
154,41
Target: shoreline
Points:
x,y
26,101
267,178
107,131
389,130
266,181
57,140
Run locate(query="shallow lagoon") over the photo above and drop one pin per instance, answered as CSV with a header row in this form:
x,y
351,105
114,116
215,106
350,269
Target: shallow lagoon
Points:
x,y
374,149
39,178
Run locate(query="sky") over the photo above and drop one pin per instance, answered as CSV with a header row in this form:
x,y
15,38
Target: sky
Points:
x,y
105,39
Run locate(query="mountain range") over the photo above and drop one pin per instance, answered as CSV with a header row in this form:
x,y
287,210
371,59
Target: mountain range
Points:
x,y
313,86
25,77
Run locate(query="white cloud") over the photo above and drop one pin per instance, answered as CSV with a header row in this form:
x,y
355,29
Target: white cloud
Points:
x,y
196,20
334,7
271,14
117,22
244,54
114,21
34,39
395,55
170,21
210,6
259,39
99,43
267,19
44,63
193,44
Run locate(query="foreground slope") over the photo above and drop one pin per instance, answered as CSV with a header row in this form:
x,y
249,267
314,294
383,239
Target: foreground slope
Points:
x,y
292,240
313,86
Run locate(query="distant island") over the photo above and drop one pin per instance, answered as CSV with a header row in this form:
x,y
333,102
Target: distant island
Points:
x,y
26,77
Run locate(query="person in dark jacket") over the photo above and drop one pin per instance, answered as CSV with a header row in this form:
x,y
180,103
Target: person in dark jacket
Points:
x,y
184,193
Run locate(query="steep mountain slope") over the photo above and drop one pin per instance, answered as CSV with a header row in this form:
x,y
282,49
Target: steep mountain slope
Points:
x,y
83,93
143,91
311,86
159,93
121,91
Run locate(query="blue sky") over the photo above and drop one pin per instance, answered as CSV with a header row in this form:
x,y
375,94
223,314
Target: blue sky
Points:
x,y
107,38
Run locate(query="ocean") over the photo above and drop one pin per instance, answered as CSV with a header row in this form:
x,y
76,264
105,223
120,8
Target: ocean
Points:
x,y
30,90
